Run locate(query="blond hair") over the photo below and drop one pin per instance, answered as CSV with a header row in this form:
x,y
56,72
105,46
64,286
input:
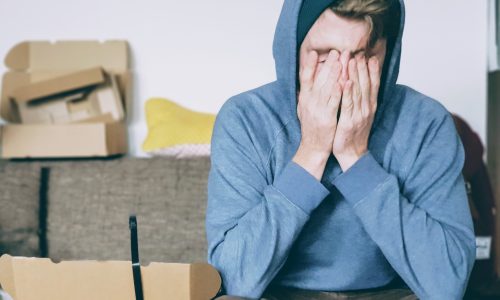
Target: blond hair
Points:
x,y
382,16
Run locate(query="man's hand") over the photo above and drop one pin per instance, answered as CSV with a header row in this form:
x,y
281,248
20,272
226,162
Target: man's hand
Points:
x,y
359,103
318,103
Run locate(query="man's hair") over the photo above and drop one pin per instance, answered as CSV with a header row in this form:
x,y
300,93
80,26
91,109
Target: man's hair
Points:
x,y
382,16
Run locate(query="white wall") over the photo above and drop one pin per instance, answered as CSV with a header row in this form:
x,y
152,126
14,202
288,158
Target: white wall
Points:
x,y
199,53
445,55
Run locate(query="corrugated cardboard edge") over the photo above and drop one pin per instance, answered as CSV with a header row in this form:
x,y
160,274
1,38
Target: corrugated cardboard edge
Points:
x,y
205,281
7,275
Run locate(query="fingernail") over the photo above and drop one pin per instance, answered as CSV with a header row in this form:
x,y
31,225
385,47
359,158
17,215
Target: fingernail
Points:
x,y
335,54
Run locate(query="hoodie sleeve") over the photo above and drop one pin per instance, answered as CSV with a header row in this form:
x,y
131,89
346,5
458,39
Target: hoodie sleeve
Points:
x,y
423,226
251,223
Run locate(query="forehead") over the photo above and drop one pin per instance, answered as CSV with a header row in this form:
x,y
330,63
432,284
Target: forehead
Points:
x,y
333,32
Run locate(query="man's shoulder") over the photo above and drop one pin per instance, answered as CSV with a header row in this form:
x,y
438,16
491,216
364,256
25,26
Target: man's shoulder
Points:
x,y
258,108
253,99
419,106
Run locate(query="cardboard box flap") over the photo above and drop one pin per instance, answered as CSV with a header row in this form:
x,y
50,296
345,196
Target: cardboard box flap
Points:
x,y
204,278
18,57
6,280
40,278
61,84
60,56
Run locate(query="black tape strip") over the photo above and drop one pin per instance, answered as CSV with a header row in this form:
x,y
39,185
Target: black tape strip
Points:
x,y
42,212
136,265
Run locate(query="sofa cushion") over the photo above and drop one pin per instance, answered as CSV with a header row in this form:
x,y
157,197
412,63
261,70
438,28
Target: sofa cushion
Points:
x,y
90,202
19,208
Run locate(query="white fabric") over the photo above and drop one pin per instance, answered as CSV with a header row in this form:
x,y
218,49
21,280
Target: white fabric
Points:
x,y
183,151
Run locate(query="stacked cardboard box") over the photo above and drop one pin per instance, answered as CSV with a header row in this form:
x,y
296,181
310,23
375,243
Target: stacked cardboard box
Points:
x,y
65,99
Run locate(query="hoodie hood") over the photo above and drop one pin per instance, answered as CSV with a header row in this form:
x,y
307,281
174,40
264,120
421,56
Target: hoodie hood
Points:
x,y
289,35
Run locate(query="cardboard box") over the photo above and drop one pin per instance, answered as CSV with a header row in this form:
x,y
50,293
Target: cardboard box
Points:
x,y
76,97
41,279
36,61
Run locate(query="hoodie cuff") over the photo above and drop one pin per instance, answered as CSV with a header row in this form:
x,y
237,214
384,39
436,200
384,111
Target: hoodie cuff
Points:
x,y
300,187
360,179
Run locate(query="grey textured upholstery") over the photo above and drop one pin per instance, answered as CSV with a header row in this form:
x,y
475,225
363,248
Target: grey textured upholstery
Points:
x,y
19,208
90,201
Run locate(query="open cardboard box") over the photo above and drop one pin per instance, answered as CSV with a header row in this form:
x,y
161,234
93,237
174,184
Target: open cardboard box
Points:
x,y
77,97
35,61
41,279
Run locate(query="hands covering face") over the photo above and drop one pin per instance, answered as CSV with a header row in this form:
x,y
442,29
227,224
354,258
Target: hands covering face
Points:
x,y
321,96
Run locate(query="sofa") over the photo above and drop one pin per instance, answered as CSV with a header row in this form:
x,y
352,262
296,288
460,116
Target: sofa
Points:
x,y
79,209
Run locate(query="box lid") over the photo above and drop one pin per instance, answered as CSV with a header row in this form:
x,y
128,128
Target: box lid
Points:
x,y
60,55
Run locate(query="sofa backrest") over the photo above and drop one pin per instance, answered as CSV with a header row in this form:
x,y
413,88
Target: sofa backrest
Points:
x,y
89,202
19,208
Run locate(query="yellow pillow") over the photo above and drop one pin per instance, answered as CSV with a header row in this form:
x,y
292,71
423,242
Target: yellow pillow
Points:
x,y
174,130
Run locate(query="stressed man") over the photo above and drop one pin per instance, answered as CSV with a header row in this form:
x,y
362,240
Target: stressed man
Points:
x,y
334,181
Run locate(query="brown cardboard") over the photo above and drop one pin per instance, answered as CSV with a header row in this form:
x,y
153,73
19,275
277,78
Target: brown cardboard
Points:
x,y
59,84
40,278
33,61
71,140
75,97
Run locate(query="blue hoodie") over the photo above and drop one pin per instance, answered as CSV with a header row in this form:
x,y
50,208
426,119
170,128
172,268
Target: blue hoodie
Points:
x,y
400,210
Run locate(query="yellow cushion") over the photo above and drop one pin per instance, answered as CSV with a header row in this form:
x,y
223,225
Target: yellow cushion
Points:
x,y
171,126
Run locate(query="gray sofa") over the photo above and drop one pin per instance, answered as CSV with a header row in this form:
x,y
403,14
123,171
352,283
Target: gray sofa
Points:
x,y
79,209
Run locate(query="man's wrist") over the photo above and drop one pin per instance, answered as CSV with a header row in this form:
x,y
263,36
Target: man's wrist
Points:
x,y
346,161
312,161
361,179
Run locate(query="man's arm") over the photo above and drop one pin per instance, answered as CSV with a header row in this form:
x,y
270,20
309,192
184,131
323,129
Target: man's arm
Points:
x,y
424,228
252,223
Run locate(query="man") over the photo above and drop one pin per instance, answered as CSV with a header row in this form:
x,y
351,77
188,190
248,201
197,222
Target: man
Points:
x,y
333,181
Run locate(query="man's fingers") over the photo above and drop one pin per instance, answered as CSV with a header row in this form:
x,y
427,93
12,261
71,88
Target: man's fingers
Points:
x,y
306,75
364,84
335,70
353,77
328,88
347,103
335,96
325,71
374,70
